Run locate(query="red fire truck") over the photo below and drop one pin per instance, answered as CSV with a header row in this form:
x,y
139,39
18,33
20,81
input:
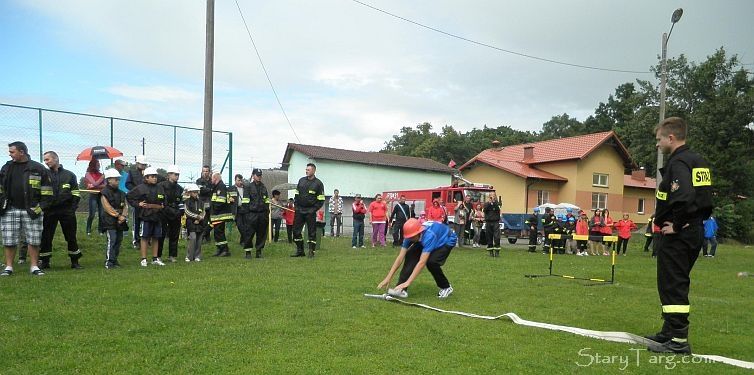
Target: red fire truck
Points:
x,y
422,198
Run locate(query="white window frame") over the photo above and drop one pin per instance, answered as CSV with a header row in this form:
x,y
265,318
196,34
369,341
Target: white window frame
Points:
x,y
543,196
598,177
642,205
599,200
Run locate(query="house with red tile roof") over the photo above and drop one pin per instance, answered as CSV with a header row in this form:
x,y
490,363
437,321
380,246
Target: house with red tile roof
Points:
x,y
587,170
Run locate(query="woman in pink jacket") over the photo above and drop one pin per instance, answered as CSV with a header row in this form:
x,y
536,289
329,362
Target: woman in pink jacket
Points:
x,y
378,217
624,227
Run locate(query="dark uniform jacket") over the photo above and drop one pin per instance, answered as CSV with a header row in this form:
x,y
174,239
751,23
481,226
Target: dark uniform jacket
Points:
x,y
549,222
173,200
401,213
194,211
205,189
151,194
117,200
221,208
37,188
685,193
310,195
532,223
134,178
258,199
569,224
491,211
65,191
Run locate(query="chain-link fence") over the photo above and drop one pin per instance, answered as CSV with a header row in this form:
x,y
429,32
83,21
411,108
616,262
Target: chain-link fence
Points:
x,y
68,133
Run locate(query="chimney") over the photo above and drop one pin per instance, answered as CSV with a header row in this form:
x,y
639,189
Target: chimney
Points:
x,y
528,152
496,144
639,175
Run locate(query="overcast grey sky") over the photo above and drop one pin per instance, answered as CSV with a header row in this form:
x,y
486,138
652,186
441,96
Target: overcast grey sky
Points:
x,y
347,75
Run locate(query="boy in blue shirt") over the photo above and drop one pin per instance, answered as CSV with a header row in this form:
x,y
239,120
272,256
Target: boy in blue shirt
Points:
x,y
427,244
710,237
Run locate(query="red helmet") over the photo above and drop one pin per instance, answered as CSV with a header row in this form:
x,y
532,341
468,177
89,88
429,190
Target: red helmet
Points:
x,y
412,227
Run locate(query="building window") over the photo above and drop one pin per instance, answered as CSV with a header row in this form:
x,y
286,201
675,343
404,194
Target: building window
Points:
x,y
599,200
640,210
543,197
599,179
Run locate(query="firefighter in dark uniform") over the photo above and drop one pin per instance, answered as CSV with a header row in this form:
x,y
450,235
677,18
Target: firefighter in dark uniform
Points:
x,y
135,178
548,224
220,213
309,198
204,182
492,225
684,201
558,245
171,214
258,216
65,192
531,224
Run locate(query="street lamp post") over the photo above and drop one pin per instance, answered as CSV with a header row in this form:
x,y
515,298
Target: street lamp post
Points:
x,y
663,81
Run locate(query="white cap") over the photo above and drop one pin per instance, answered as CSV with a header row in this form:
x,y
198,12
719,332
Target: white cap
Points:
x,y
141,159
112,173
150,171
174,169
192,187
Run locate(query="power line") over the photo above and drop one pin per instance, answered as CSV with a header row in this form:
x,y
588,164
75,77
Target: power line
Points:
x,y
265,72
498,48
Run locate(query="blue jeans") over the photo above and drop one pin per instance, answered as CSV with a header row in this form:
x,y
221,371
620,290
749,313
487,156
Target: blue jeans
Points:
x,y
94,203
358,234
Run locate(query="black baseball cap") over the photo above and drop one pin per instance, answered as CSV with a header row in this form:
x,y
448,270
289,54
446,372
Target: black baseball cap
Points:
x,y
257,172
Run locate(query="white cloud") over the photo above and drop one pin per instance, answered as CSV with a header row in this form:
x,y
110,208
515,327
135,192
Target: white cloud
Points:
x,y
154,93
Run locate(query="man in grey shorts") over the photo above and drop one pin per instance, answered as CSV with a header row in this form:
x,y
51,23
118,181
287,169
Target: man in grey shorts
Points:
x,y
25,190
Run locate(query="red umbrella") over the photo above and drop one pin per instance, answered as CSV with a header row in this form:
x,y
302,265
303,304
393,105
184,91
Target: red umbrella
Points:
x,y
99,152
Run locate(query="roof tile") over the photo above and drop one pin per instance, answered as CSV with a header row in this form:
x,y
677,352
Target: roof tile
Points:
x,y
364,157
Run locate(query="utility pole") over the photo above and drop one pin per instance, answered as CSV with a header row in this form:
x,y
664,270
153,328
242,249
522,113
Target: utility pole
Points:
x,y
208,79
663,82
143,147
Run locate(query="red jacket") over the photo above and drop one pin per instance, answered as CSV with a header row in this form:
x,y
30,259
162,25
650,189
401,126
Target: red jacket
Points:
x,y
288,215
436,213
624,228
608,228
582,227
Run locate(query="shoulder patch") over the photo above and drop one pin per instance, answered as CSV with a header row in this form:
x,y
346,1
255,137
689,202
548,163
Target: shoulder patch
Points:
x,y
674,186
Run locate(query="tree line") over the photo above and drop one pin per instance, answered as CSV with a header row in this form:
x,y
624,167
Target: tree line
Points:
x,y
716,97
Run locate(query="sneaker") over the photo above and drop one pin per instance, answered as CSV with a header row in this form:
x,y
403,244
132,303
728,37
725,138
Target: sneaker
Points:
x,y
445,293
353,247
76,266
143,262
363,247
109,266
38,272
172,259
197,259
158,262
6,272
670,347
397,293
187,259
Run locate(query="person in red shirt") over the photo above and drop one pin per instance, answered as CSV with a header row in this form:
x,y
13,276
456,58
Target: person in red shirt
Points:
x,y
288,216
378,217
607,230
359,212
624,227
95,181
582,228
435,212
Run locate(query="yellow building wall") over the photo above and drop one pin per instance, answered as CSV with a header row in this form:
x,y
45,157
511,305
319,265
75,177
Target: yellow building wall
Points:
x,y
604,160
631,196
566,191
511,188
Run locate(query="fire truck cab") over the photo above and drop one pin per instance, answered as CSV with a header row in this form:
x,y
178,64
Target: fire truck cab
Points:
x,y
420,199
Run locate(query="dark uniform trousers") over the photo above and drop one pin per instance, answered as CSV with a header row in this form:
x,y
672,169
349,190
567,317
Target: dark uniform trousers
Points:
x,y
256,224
675,258
171,229
434,264
67,220
299,219
492,230
218,233
532,241
242,223
398,232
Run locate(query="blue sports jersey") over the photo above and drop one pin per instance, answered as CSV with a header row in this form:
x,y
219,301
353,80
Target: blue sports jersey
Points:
x,y
435,236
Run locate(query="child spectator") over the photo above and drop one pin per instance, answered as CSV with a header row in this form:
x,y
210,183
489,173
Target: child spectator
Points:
x,y
195,223
113,222
607,230
288,216
596,223
148,197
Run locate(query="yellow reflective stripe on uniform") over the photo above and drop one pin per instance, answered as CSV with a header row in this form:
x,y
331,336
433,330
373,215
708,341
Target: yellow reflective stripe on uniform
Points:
x,y
49,254
320,197
37,210
65,186
221,217
35,183
232,194
676,309
676,339
312,192
221,243
701,177
160,196
267,200
76,193
662,195
216,198
245,200
46,190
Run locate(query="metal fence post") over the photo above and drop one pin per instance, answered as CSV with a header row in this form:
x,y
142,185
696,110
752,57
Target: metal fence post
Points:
x,y
41,153
230,156
174,143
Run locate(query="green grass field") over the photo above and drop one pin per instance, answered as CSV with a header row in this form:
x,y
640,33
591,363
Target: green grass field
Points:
x,y
296,315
